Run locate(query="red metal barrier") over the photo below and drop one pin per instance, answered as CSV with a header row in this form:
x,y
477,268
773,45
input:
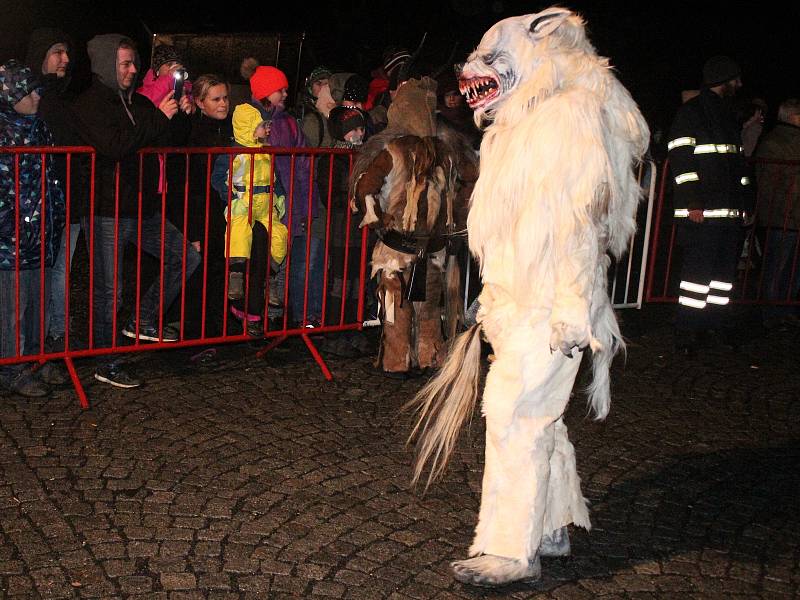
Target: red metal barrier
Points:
x,y
213,291
770,235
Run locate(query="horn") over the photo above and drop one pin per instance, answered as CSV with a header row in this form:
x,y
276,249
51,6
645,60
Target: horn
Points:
x,y
447,62
402,74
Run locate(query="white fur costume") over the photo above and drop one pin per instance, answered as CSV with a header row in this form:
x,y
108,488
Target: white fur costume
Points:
x,y
556,191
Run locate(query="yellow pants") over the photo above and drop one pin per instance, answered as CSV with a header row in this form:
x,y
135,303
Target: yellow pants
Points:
x,y
241,229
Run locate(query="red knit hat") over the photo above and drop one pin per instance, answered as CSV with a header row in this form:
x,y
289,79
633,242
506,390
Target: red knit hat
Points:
x,y
266,80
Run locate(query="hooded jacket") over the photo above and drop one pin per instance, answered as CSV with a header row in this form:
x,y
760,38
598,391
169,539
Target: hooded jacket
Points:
x,y
118,123
55,109
40,41
16,82
246,118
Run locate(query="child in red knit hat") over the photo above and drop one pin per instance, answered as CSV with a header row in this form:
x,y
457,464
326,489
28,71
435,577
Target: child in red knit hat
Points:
x,y
269,88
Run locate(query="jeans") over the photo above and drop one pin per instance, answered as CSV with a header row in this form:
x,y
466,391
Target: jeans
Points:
x,y
297,276
781,283
151,304
29,317
56,318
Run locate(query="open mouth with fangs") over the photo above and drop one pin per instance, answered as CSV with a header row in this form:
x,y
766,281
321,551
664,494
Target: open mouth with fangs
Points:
x,y
479,91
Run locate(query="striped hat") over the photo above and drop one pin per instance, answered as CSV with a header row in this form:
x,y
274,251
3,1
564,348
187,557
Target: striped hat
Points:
x,y
394,59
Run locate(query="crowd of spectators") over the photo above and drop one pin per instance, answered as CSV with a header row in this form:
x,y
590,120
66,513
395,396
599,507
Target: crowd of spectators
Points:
x,y
223,228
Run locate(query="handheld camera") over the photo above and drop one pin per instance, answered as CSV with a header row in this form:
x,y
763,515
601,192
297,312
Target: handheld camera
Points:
x,y
179,78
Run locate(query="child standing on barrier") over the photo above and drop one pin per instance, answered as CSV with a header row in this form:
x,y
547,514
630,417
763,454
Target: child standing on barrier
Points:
x,y
27,221
255,211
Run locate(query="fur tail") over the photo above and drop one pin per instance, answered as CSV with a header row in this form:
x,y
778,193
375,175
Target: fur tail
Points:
x,y
606,330
453,311
445,403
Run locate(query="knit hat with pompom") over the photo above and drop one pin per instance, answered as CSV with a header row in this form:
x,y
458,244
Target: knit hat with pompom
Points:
x,y
263,80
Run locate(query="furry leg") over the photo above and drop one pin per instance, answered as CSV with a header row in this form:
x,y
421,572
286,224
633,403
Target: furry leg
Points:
x,y
565,502
526,392
430,345
489,570
396,335
555,543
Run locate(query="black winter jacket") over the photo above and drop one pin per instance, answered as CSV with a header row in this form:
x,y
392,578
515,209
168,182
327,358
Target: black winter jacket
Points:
x,y
102,122
708,167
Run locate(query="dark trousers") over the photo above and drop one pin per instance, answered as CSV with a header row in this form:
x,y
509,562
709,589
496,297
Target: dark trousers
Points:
x,y
781,271
710,256
153,302
29,317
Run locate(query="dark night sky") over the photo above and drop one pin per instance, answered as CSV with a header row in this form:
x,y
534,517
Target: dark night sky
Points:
x,y
657,47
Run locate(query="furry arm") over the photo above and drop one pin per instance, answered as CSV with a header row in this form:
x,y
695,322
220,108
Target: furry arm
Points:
x,y
367,191
578,213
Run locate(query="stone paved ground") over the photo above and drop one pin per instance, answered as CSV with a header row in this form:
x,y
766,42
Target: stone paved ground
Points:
x,y
257,479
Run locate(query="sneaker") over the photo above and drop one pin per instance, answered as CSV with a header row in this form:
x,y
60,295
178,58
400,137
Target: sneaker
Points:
x,y
26,383
149,333
53,372
255,326
255,329
117,376
54,344
235,285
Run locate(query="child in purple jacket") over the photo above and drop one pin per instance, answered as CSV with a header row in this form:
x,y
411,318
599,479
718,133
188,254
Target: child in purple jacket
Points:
x,y
269,89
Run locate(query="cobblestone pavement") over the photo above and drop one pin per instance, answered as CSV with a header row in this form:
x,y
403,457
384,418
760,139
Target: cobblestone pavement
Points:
x,y
257,479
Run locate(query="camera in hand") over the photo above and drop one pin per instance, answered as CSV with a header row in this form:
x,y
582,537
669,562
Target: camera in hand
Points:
x,y
180,76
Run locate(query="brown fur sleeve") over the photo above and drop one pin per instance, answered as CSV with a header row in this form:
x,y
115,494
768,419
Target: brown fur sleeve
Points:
x,y
371,182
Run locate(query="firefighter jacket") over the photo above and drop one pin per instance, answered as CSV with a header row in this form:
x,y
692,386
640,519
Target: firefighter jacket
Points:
x,y
706,160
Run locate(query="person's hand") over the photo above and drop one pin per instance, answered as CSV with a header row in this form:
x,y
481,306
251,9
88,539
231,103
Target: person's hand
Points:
x,y
186,104
168,105
196,246
696,215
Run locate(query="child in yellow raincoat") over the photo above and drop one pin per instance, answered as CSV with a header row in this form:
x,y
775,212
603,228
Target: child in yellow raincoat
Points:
x,y
251,131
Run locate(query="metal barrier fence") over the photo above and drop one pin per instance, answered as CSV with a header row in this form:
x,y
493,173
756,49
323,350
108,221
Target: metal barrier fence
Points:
x,y
335,302
767,272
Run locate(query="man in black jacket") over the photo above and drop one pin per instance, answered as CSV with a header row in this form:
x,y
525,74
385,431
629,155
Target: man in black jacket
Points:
x,y
48,53
119,122
712,196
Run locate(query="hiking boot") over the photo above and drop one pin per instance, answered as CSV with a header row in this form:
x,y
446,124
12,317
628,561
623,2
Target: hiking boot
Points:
x,y
150,333
53,372
117,376
27,384
235,285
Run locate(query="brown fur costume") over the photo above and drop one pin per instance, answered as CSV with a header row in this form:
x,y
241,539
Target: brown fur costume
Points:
x,y
412,186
